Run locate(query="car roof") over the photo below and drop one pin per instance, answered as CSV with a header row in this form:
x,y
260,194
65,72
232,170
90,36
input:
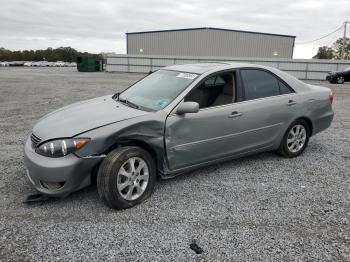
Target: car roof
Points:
x,y
201,68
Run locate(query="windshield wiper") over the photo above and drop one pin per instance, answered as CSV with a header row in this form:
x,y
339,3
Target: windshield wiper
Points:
x,y
116,96
127,102
124,101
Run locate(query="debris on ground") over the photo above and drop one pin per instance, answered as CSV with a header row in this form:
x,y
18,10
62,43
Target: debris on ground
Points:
x,y
35,198
195,247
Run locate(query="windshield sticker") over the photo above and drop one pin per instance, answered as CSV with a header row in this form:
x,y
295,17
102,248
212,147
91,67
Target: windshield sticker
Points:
x,y
187,75
161,103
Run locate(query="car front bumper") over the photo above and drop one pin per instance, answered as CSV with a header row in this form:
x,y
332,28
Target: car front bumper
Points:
x,y
330,77
58,177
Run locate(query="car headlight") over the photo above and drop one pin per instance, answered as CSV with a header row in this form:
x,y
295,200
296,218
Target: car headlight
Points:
x,y
61,147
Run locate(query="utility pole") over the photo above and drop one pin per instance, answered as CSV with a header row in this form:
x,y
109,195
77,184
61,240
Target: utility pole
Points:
x,y
344,40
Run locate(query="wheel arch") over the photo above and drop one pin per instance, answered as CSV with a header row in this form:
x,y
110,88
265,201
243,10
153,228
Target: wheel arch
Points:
x,y
126,142
136,142
308,121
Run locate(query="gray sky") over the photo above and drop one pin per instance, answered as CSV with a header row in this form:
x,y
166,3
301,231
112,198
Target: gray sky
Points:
x,y
100,26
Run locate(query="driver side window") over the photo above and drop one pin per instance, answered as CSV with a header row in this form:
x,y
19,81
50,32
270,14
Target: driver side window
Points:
x,y
214,91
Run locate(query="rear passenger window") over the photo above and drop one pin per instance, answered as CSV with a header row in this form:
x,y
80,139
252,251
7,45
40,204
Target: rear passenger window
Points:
x,y
259,84
284,89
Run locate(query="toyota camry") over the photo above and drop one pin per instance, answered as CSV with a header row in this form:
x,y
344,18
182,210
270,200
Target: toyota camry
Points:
x,y
176,119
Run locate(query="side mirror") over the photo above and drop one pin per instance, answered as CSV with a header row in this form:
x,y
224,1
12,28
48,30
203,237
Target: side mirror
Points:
x,y
187,107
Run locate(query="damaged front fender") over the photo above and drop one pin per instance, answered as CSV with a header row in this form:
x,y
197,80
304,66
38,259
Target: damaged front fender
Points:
x,y
148,129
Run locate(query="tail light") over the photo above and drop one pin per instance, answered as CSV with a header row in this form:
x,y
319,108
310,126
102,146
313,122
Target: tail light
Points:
x,y
331,98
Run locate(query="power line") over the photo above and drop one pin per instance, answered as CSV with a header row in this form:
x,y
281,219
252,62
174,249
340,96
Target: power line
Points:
x,y
307,42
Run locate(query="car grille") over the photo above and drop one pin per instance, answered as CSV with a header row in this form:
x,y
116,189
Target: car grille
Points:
x,y
35,140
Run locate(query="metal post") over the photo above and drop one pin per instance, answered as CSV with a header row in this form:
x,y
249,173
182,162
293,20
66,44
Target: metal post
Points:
x,y
344,41
128,61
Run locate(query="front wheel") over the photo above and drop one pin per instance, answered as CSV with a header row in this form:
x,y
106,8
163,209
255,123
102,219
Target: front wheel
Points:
x,y
295,139
126,177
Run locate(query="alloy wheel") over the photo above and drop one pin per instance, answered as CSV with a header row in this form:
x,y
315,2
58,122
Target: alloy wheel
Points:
x,y
132,178
340,80
296,138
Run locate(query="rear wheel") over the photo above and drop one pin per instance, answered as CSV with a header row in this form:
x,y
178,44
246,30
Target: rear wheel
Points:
x,y
295,139
126,177
340,80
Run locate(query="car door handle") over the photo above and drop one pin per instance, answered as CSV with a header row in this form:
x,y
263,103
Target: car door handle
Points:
x,y
291,103
235,114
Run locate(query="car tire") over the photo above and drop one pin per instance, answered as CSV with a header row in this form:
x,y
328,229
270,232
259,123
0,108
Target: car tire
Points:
x,y
126,177
295,139
340,80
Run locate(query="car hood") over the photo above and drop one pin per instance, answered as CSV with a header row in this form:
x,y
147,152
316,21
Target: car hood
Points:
x,y
83,116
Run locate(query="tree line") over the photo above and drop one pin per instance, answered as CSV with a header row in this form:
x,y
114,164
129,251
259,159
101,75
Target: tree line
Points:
x,y
335,51
67,54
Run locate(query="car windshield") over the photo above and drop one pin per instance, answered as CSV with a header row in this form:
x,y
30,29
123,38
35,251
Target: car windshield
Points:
x,y
156,91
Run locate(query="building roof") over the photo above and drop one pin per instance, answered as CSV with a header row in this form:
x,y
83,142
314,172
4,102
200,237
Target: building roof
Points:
x,y
210,28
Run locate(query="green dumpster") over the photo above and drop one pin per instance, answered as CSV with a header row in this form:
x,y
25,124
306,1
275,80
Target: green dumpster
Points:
x,y
89,64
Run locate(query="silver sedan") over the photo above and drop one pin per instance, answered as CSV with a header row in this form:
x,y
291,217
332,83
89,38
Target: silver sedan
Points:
x,y
174,120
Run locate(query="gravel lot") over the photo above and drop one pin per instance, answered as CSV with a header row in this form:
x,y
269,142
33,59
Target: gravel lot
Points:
x,y
261,207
